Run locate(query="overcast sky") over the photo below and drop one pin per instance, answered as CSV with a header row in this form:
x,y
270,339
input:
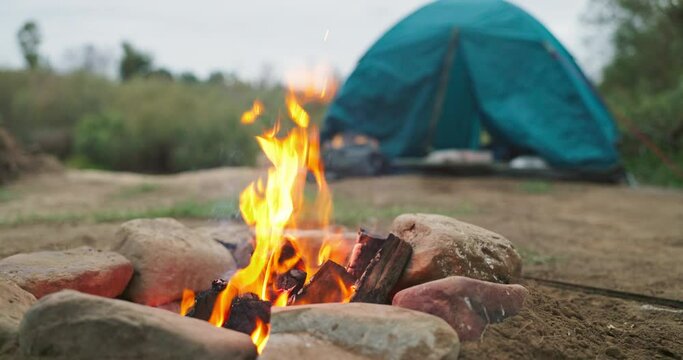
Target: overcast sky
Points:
x,y
203,35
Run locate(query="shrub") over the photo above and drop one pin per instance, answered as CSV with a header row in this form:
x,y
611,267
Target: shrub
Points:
x,y
157,126
41,108
145,124
659,117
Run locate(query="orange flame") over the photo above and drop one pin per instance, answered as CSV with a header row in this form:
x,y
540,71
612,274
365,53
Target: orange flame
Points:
x,y
296,112
260,335
187,302
252,114
273,206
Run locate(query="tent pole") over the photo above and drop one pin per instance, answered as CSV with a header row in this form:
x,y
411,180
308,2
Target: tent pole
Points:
x,y
444,79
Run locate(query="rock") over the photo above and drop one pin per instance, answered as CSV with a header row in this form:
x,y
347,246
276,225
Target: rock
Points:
x,y
236,237
444,247
72,325
14,302
169,257
303,346
85,269
359,331
173,307
468,305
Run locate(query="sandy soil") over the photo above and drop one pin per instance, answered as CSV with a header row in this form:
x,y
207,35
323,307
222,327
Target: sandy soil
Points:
x,y
604,236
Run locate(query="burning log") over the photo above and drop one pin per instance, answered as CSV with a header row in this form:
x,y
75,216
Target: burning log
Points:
x,y
204,301
363,252
383,272
245,311
292,281
330,284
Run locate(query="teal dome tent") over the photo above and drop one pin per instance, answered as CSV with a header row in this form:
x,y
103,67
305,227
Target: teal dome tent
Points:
x,y
454,68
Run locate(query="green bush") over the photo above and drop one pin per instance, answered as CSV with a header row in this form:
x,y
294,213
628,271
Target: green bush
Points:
x,y
101,139
41,108
660,118
143,125
157,126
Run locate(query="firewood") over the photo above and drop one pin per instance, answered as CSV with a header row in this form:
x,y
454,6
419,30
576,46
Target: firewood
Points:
x,y
205,300
287,251
245,310
292,281
363,252
384,271
325,286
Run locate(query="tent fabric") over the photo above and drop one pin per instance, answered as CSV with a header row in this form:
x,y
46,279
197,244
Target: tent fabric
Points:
x,y
456,67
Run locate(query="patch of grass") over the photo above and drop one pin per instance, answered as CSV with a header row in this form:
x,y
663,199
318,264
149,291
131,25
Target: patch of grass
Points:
x,y
185,209
6,195
352,213
136,190
536,187
533,257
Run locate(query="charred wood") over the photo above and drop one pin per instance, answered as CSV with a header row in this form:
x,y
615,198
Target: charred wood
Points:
x,y
363,252
292,281
204,301
383,272
329,284
245,310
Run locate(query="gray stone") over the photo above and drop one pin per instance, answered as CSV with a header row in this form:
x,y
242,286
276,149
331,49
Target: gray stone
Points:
x,y
169,257
235,237
444,247
14,302
73,325
303,346
359,331
85,269
468,305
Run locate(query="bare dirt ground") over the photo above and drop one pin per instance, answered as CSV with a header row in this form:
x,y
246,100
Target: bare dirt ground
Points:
x,y
603,236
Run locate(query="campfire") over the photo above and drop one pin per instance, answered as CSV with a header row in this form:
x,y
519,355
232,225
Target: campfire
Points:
x,y
286,269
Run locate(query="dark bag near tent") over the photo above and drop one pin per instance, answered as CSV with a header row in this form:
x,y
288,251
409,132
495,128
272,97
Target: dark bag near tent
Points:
x,y
351,154
455,68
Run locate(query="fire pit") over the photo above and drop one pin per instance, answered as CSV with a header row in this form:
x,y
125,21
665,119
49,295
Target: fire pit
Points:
x,y
284,270
287,270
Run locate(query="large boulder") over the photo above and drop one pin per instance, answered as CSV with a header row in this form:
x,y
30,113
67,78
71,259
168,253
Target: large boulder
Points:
x,y
72,325
304,346
358,331
444,247
169,257
85,269
468,305
14,302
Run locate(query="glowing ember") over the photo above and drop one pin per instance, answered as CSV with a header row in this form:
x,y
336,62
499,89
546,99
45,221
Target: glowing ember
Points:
x,y
273,207
260,335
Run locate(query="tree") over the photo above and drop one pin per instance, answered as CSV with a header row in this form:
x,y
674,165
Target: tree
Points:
x,y
643,82
29,40
216,78
647,39
188,77
134,63
162,74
